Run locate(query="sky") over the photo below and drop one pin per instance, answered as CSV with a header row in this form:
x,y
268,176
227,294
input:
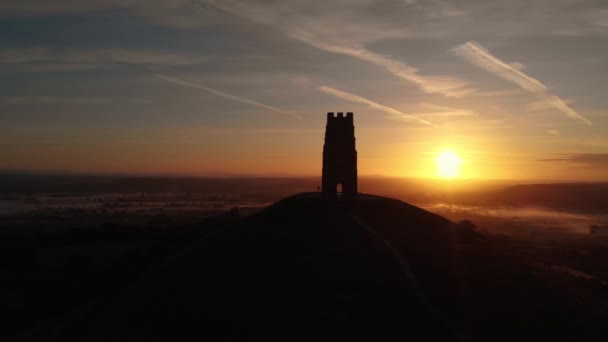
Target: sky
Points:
x,y
516,89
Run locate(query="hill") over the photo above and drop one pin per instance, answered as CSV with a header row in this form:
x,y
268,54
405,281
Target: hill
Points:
x,y
583,197
308,268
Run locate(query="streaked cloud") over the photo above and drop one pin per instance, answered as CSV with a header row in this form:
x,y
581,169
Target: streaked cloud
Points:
x,y
598,18
559,104
497,93
97,57
55,100
479,56
341,35
43,7
23,55
482,58
388,110
444,85
174,13
417,19
445,111
67,100
553,132
225,95
582,159
131,56
544,105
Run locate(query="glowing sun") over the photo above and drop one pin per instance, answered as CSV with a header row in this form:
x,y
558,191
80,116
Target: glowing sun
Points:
x,y
448,164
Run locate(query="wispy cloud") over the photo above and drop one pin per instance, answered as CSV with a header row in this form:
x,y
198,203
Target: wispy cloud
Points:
x,y
55,100
553,132
347,33
482,58
436,110
225,95
23,55
598,18
416,19
41,7
498,93
70,100
132,56
479,56
583,159
545,105
95,58
444,85
355,98
174,13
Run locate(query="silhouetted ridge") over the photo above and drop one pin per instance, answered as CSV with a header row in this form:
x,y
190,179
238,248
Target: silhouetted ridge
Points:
x,y
312,268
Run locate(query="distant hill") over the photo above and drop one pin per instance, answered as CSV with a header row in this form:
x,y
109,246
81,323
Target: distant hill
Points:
x,y
372,269
588,197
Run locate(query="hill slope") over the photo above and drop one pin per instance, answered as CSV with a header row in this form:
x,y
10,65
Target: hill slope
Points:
x,y
307,268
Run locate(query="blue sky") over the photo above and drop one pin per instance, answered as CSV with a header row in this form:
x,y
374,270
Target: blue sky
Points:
x,y
515,88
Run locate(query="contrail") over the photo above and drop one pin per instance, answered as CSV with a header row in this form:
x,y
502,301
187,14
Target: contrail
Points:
x,y
477,55
444,85
225,95
372,104
329,41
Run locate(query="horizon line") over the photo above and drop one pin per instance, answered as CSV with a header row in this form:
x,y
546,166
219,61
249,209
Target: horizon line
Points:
x,y
228,175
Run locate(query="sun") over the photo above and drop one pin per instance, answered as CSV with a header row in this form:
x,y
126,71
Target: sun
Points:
x,y
448,164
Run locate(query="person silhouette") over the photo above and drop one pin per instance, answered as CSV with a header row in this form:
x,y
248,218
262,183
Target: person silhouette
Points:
x,y
318,189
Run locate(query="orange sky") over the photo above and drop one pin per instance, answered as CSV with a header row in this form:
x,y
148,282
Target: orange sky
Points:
x,y
244,89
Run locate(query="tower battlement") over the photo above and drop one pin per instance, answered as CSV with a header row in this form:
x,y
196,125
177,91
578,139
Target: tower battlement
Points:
x,y
340,116
339,155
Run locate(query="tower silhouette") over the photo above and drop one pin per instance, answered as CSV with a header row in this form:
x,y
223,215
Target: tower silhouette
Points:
x,y
339,156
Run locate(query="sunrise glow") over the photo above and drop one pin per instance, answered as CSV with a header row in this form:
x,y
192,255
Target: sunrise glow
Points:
x,y
421,77
448,164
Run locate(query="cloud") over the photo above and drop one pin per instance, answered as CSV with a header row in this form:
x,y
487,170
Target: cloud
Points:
x,y
544,105
96,58
584,159
25,55
479,56
482,58
598,18
66,100
436,110
553,132
497,93
427,19
345,32
346,27
414,19
444,85
299,80
225,95
174,13
517,65
130,56
391,111
55,100
45,7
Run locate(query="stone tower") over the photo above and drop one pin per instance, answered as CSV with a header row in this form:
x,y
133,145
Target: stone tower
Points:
x,y
339,156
